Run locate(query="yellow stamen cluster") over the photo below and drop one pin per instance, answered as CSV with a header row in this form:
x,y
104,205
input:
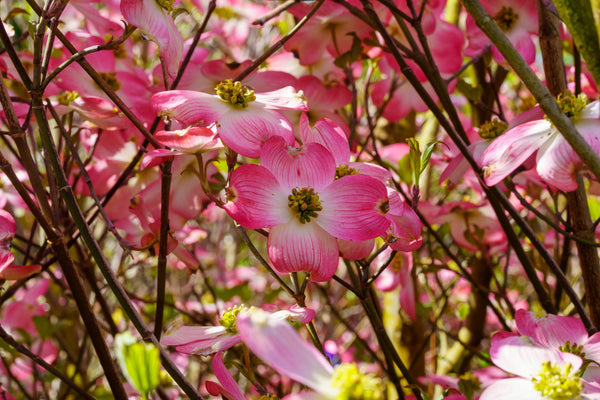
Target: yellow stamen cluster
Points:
x,y
268,397
111,80
355,385
506,18
572,105
343,170
166,4
235,94
305,203
229,318
66,98
492,129
557,383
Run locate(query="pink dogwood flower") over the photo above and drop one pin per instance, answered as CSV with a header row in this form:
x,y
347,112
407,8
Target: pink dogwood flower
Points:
x,y
244,120
555,160
295,193
280,346
205,340
540,373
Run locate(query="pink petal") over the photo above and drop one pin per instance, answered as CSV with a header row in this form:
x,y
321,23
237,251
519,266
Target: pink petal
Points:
x,y
286,98
509,151
309,166
16,272
328,134
8,226
246,130
551,330
557,162
190,139
256,200
511,389
157,23
354,208
296,313
355,250
6,258
280,346
189,107
303,247
519,356
230,388
186,334
591,348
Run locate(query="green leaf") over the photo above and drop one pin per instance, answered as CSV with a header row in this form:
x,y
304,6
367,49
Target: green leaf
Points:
x,y
463,311
426,156
140,363
470,92
414,157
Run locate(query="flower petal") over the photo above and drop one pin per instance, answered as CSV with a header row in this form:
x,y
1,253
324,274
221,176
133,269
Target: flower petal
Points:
x,y
303,247
191,139
557,162
328,134
510,150
189,107
246,130
311,165
510,389
519,356
230,388
279,345
16,272
354,208
256,200
551,330
286,98
157,23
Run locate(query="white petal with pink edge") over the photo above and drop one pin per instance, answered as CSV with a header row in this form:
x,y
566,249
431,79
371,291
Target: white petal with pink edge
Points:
x,y
256,200
311,165
510,150
354,208
511,389
519,356
286,98
557,162
280,346
189,107
303,247
245,130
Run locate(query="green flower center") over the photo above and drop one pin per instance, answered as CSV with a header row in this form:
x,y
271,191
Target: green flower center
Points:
x,y
66,98
235,94
506,18
305,203
111,80
229,318
267,397
572,105
557,383
492,129
166,4
355,385
343,170
573,348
